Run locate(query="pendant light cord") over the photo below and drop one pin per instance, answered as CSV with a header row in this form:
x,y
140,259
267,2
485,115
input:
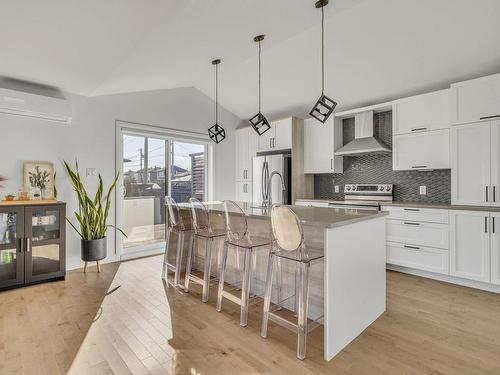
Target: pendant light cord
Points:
x,y
259,78
216,93
322,50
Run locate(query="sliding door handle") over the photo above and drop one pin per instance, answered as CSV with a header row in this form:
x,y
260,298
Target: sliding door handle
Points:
x,y
28,245
21,244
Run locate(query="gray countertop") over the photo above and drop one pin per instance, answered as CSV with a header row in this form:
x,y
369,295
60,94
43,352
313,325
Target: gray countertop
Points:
x,y
315,216
442,206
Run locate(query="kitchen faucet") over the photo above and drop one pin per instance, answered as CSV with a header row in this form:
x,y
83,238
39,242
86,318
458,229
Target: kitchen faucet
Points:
x,y
270,191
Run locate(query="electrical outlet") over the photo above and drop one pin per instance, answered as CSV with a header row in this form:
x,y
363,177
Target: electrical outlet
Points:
x,y
89,172
423,190
337,188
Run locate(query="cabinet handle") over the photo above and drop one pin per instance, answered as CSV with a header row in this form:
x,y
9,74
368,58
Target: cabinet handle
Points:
x,y
412,247
488,117
493,224
28,245
486,224
419,166
412,209
418,129
274,142
331,164
487,188
494,193
408,223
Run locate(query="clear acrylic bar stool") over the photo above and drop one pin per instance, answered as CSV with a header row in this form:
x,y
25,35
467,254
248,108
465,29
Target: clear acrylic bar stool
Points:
x,y
288,245
202,231
239,238
175,225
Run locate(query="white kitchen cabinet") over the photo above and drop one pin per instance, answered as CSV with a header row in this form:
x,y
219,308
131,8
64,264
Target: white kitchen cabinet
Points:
x,y
475,164
470,245
421,113
243,191
320,143
311,203
246,148
418,257
279,137
475,100
426,215
421,151
495,247
495,164
417,233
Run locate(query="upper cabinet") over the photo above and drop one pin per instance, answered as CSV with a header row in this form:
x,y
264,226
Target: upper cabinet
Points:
x,y
421,151
246,148
279,137
475,100
320,143
421,113
475,164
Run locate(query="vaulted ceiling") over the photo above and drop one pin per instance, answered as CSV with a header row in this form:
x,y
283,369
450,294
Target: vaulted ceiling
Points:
x,y
376,49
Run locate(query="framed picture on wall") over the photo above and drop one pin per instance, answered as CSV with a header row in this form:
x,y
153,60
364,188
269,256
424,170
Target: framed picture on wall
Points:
x,y
38,177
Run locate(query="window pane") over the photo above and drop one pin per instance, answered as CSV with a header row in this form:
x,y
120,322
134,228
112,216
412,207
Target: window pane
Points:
x,y
145,182
188,171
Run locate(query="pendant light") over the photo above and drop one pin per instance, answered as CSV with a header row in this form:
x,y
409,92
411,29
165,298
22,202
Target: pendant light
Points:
x,y
216,132
324,106
259,121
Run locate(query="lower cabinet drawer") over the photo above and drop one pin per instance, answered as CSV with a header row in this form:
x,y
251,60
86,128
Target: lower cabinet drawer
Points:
x,y
311,204
418,257
428,215
418,233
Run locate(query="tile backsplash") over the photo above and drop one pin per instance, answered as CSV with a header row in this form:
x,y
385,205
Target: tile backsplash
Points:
x,y
377,168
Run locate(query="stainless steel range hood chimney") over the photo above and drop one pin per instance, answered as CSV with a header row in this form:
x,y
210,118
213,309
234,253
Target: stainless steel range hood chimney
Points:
x,y
364,142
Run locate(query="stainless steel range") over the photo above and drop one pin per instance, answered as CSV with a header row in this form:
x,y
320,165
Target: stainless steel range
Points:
x,y
364,196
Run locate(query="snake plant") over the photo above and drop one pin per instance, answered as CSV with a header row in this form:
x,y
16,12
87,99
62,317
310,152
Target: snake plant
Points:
x,y
93,212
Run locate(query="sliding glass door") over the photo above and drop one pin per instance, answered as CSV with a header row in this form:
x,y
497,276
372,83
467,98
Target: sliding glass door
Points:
x,y
154,166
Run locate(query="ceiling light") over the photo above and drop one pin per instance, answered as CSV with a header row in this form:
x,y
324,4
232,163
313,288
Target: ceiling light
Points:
x,y
216,132
259,121
324,106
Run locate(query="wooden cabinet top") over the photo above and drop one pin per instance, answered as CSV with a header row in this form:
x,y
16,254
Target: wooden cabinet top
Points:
x,y
30,203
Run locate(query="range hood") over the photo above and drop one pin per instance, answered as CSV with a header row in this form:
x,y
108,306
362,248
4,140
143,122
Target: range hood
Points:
x,y
364,142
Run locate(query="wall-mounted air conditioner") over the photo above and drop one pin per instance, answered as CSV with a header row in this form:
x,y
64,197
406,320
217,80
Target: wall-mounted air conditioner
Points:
x,y
20,103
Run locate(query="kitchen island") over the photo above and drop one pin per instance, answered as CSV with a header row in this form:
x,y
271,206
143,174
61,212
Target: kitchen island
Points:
x,y
348,287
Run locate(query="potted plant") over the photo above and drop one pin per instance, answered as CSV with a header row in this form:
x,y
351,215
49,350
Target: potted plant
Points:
x,y
92,217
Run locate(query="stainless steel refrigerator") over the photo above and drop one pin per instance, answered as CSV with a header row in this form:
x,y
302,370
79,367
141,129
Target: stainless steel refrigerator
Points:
x,y
263,166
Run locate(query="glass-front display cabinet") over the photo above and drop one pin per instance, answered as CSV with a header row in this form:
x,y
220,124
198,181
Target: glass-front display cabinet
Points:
x,y
32,243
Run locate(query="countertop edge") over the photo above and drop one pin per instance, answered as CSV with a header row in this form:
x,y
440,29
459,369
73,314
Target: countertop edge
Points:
x,y
439,206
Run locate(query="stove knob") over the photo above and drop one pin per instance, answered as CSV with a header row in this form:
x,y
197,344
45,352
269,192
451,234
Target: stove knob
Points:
x,y
381,188
348,188
353,187
388,188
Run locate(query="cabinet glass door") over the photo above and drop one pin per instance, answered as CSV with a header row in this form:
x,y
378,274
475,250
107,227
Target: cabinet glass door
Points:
x,y
11,237
45,230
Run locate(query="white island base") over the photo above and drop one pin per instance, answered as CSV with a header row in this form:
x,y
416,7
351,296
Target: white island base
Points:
x,y
354,281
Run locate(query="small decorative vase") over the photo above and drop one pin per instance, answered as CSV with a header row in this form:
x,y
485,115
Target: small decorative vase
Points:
x,y
94,251
47,194
35,194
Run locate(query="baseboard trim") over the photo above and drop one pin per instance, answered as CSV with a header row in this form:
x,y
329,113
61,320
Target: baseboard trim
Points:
x,y
446,278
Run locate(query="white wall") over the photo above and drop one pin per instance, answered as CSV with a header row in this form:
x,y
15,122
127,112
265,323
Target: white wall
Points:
x,y
90,138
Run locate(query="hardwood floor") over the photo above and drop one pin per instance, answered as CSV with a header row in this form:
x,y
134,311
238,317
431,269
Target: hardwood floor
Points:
x,y
145,327
43,326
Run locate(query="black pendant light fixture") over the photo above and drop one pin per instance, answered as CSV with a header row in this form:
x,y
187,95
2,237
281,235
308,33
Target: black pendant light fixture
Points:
x,y
324,106
216,132
259,121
